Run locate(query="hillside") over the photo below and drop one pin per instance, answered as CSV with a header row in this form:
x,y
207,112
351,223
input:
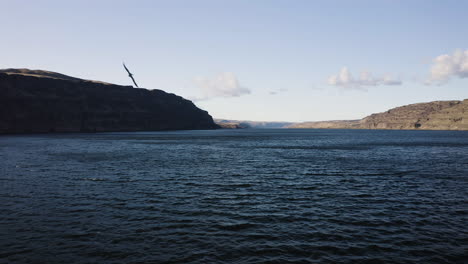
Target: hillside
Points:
x,y
35,101
438,115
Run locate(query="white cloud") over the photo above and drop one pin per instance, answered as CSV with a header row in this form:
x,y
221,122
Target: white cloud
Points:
x,y
345,79
222,85
446,66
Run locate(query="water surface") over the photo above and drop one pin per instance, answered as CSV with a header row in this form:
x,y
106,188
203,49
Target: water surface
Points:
x,y
235,196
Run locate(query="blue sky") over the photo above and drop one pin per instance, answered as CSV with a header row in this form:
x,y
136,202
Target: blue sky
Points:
x,y
253,60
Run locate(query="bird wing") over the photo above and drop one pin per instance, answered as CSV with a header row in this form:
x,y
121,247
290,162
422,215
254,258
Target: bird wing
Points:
x,y
134,81
130,74
126,68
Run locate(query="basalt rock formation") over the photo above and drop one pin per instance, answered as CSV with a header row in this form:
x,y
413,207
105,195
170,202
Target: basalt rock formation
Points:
x,y
438,115
33,101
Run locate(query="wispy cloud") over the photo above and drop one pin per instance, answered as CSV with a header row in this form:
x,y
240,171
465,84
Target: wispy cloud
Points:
x,y
222,85
445,67
345,79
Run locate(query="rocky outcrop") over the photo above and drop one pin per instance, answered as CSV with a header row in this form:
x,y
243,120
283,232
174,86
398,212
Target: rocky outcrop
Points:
x,y
41,101
452,118
414,116
438,115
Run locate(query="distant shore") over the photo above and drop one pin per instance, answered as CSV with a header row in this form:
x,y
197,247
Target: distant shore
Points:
x,y
437,115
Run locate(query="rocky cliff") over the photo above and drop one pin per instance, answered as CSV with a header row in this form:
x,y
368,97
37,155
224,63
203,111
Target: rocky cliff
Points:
x,y
42,101
438,115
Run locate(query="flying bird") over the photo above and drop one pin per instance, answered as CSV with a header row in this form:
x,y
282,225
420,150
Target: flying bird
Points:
x,y
130,75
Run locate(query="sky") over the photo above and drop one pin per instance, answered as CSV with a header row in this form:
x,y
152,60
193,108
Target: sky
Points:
x,y
276,60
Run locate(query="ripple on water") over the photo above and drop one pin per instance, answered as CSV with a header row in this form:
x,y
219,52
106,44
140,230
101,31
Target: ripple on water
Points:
x,y
245,196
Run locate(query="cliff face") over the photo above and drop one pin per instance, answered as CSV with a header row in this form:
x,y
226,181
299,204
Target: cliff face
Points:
x,y
452,118
438,115
39,101
415,116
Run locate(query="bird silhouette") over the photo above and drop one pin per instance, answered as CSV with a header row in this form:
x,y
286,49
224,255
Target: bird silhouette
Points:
x,y
130,74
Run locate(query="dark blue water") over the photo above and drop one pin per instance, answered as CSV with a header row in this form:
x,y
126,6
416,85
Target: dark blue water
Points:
x,y
235,196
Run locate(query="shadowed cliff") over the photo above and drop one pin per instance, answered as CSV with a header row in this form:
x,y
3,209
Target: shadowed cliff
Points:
x,y
41,101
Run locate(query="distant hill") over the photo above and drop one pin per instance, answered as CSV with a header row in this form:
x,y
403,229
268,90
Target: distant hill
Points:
x,y
438,115
327,124
225,123
37,101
